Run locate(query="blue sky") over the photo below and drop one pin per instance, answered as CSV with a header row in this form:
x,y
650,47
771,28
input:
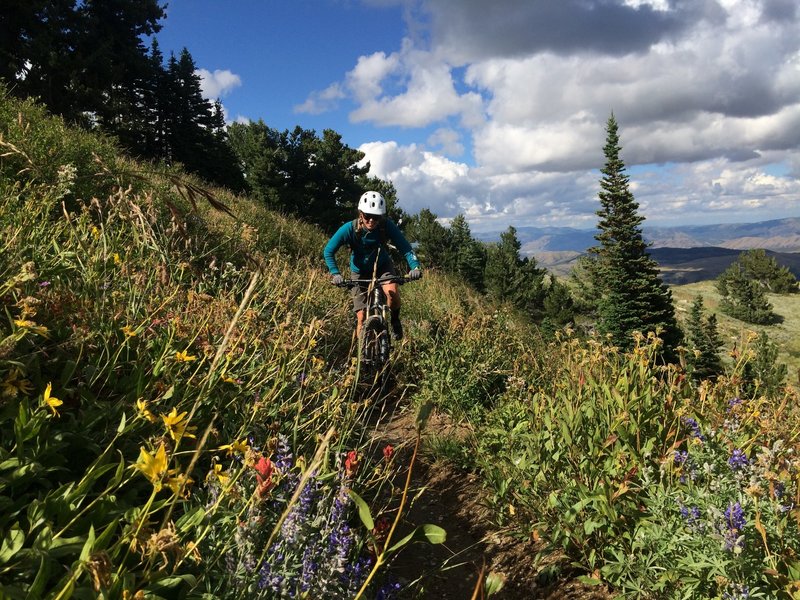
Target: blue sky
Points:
x,y
497,109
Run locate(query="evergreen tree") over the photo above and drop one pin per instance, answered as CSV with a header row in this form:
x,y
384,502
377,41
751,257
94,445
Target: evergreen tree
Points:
x,y
558,307
764,269
432,239
114,64
297,172
509,278
763,374
744,298
467,255
632,295
704,342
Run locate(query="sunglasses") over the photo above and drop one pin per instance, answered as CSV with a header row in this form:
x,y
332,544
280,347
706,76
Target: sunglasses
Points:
x,y
367,217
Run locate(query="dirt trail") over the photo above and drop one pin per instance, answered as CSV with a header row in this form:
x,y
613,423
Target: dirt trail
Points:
x,y
445,496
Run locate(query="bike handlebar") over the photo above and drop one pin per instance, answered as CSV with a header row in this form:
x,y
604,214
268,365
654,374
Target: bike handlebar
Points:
x,y
388,279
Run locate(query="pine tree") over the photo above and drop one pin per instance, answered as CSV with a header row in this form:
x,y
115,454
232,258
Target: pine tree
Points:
x,y
743,297
632,295
704,342
468,256
509,278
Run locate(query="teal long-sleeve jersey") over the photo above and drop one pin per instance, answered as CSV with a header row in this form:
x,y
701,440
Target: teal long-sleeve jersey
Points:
x,y
366,248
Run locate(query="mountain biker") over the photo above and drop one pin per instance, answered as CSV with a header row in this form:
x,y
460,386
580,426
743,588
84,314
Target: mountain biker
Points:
x,y
368,236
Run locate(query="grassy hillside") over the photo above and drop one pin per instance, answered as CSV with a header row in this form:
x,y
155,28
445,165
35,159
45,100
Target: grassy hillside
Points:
x,y
182,415
786,334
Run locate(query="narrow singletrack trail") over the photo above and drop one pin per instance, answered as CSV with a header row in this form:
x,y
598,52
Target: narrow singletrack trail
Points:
x,y
443,495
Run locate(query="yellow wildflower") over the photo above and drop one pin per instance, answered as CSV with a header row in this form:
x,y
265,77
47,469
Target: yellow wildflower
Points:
x,y
31,326
236,447
51,401
177,425
14,384
144,411
153,466
177,482
222,476
95,232
128,331
117,259
184,357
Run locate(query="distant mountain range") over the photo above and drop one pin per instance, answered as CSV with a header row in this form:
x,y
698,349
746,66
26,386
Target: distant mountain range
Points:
x,y
685,254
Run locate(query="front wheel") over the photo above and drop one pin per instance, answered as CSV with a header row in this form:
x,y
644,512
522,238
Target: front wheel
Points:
x,y
375,349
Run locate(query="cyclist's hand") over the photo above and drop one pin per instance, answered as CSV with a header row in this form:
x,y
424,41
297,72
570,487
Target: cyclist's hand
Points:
x,y
337,279
415,274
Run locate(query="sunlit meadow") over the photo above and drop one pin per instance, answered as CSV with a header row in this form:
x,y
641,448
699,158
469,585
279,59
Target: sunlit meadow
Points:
x,y
182,416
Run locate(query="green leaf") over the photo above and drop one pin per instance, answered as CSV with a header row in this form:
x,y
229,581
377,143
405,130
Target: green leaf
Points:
x,y
423,414
494,583
170,583
122,422
363,510
190,519
434,533
42,576
87,547
430,533
589,580
13,539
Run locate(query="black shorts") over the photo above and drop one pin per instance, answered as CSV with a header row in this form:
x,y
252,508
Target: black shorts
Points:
x,y
359,293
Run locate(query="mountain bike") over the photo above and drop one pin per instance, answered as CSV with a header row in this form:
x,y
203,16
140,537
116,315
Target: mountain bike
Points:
x,y
375,343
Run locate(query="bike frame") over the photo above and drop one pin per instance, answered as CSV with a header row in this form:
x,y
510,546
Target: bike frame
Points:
x,y
375,343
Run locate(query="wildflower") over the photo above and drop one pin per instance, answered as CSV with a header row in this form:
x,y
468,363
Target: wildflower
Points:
x,y
144,411
177,425
128,331
31,326
736,592
389,591
235,448
691,516
95,232
184,357
265,469
738,460
178,483
695,428
153,466
351,463
388,452
734,522
15,384
219,474
733,403
51,401
117,259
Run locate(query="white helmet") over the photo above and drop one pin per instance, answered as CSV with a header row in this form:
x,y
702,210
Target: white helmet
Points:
x,y
372,203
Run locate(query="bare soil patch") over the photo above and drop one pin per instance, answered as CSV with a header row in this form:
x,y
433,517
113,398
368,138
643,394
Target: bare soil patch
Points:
x,y
444,495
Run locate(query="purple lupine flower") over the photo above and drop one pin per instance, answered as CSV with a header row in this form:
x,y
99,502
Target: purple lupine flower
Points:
x,y
389,591
44,284
735,522
680,458
733,403
738,460
736,592
694,427
297,515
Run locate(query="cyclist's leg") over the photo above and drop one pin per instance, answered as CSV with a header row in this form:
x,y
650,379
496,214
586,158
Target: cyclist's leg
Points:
x,y
392,291
359,296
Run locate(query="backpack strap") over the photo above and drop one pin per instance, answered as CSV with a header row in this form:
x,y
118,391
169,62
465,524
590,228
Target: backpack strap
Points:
x,y
382,235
